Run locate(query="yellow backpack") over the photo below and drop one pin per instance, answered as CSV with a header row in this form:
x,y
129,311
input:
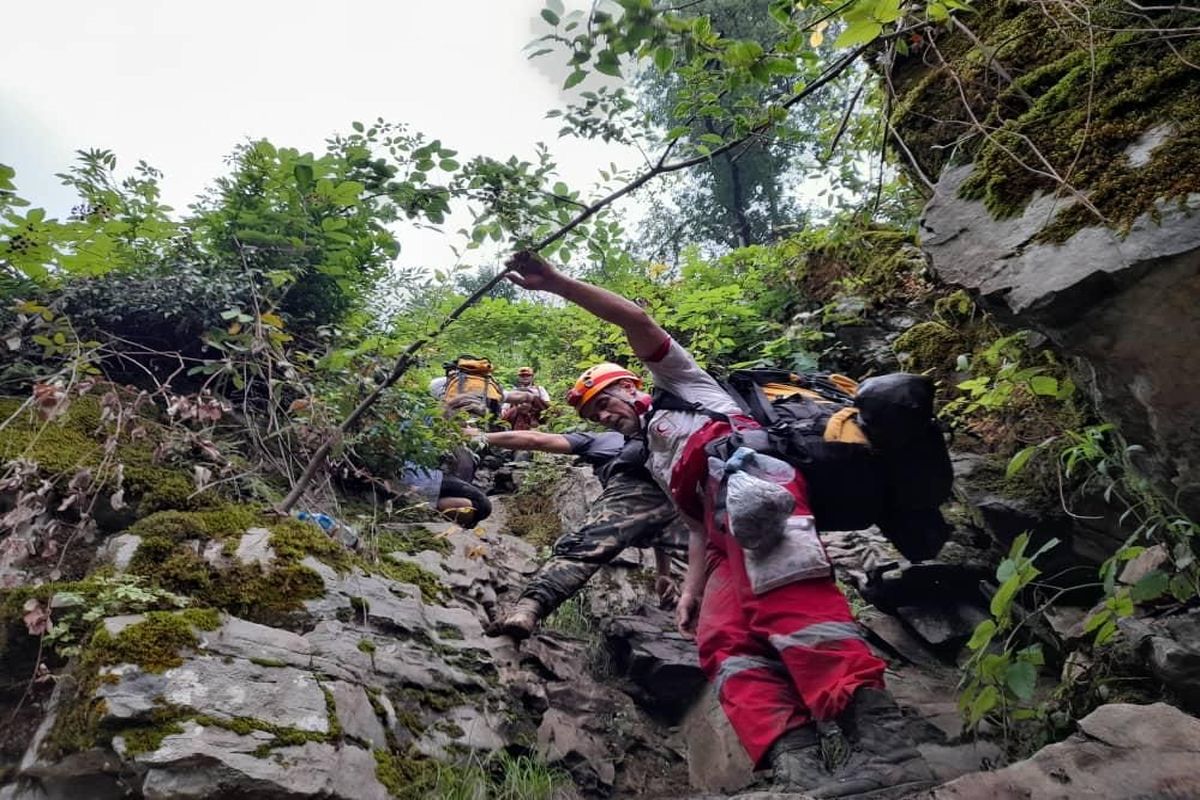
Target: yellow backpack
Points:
x,y
470,386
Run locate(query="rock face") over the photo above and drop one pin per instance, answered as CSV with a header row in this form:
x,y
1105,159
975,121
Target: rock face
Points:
x,y
1129,305
381,669
1121,751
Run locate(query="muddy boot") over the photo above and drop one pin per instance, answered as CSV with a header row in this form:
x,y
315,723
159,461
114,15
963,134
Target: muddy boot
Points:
x,y
519,622
795,760
884,763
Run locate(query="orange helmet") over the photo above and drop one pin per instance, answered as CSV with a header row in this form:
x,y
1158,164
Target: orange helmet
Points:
x,y
595,379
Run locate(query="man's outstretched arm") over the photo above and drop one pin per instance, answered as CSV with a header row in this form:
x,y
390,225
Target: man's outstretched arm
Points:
x,y
646,337
529,440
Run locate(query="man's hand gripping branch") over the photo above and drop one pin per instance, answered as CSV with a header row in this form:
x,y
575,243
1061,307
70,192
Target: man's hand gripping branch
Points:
x,y
531,271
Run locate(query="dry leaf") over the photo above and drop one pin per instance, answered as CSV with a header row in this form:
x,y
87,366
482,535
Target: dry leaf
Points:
x,y
36,617
50,400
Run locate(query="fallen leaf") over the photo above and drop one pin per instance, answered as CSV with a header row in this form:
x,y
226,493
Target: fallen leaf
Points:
x,y
36,617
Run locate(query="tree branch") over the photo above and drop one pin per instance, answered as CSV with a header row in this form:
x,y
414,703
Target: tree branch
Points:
x,y
408,357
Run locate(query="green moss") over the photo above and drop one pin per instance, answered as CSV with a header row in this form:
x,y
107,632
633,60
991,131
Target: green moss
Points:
x,y
294,540
335,724
410,721
154,643
433,699
76,439
445,631
244,590
77,726
412,541
412,573
366,646
451,729
408,777
148,739
956,307
1082,95
215,523
929,345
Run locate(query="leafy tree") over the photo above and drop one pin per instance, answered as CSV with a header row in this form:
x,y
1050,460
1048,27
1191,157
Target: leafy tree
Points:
x,y
739,197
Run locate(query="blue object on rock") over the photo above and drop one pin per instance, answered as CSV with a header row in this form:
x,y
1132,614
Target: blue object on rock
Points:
x,y
326,522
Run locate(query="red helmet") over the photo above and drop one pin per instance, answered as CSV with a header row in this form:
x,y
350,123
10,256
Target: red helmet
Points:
x,y
595,379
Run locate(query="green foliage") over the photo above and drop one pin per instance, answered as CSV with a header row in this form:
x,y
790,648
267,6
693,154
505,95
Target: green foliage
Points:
x,y
76,611
999,681
119,224
573,618
499,776
1097,460
1000,377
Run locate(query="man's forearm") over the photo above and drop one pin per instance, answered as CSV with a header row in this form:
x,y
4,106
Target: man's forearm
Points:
x,y
697,569
529,440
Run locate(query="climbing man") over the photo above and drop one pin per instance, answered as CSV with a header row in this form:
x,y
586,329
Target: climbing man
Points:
x,y
798,683
525,402
631,511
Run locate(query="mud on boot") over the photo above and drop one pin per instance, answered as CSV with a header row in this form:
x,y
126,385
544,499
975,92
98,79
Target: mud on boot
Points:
x,y
884,763
519,621
796,763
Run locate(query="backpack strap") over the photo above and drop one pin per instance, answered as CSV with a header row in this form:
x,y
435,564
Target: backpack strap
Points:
x,y
663,400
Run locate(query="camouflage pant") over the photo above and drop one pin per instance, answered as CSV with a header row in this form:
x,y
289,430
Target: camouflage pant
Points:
x,y
631,512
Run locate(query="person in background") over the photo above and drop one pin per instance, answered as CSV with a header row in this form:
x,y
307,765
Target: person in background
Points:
x,y
631,511
525,402
456,499
800,686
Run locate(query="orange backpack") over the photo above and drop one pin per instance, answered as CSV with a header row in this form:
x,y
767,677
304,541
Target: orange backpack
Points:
x,y
469,383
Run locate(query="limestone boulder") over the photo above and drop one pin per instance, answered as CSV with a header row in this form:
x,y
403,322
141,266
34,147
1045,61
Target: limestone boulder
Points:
x,y
1120,751
1129,304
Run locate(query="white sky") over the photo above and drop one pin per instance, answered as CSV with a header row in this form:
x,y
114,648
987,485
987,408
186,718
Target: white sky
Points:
x,y
178,84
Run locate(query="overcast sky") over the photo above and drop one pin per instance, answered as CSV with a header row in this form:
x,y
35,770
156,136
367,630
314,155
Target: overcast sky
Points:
x,y
180,83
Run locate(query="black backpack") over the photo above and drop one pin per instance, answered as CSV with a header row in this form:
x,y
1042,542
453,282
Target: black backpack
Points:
x,y
871,453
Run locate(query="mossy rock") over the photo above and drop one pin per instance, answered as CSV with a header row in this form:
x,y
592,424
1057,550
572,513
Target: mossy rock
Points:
x,y
155,643
1082,94
407,776
929,345
411,541
431,588
76,440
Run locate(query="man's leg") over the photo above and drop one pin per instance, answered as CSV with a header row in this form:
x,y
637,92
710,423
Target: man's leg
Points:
x,y
631,511
457,494
752,684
